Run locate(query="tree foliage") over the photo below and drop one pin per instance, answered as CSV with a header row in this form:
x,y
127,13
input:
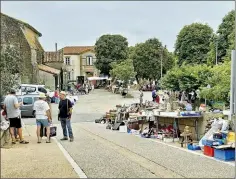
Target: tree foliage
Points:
x,y
219,82
186,77
123,71
10,65
108,49
147,59
192,44
226,34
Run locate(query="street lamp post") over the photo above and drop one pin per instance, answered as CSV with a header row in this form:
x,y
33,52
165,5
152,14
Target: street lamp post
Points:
x,y
216,50
162,54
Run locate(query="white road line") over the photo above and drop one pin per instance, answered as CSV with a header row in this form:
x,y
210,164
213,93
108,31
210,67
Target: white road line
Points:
x,y
189,151
77,169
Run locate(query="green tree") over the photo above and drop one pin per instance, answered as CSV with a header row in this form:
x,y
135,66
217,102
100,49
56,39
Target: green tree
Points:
x,y
219,82
10,65
186,77
108,49
226,35
192,44
123,71
147,59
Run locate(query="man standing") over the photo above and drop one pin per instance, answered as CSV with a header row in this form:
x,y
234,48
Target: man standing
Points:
x,y
65,112
43,116
13,114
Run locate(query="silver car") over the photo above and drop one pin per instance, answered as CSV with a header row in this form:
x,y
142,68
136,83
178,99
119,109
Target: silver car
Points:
x,y
27,108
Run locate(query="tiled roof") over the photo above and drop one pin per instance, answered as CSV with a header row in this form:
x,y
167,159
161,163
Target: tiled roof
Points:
x,y
24,23
49,69
77,49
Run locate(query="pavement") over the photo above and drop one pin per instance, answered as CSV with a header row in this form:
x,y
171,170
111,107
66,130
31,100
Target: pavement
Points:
x,y
102,153
35,160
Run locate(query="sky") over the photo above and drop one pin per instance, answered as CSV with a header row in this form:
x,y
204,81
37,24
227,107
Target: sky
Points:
x,y
81,23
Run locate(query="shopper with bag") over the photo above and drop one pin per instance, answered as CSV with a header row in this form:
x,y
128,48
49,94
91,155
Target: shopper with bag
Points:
x,y
65,112
43,116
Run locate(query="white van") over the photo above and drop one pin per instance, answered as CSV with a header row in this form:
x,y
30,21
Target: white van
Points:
x,y
31,89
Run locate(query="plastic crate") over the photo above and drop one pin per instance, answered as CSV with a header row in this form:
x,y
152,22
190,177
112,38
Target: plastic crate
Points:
x,y
208,151
226,154
193,147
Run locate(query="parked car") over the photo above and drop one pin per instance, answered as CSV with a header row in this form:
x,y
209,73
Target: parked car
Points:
x,y
27,108
31,89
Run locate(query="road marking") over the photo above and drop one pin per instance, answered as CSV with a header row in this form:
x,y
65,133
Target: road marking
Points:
x,y
189,151
77,169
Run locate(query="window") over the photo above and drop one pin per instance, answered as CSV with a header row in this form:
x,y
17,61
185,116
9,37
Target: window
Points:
x,y
42,90
28,89
67,61
27,101
89,60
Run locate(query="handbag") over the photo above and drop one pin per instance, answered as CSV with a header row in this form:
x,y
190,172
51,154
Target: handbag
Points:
x,y
5,125
53,131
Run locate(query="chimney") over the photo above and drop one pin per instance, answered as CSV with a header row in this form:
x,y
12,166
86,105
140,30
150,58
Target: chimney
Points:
x,y
56,52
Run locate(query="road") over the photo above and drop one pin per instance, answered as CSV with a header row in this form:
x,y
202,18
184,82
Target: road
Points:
x,y
109,154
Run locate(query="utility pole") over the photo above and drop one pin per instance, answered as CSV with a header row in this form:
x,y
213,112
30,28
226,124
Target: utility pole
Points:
x,y
161,60
162,54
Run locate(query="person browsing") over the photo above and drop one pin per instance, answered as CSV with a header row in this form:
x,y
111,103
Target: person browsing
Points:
x,y
65,112
43,116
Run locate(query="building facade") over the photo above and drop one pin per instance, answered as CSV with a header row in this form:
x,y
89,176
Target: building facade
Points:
x,y
25,39
79,61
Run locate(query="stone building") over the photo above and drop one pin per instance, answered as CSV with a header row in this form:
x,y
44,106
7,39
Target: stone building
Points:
x,y
25,39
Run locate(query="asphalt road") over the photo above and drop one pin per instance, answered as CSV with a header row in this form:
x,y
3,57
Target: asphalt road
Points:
x,y
109,154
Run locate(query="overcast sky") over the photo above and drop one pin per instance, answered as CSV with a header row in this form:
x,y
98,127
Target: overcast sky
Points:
x,y
81,23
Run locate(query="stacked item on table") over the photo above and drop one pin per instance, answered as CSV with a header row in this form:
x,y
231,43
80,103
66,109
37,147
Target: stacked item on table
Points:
x,y
190,113
226,151
218,142
101,120
149,133
167,134
208,126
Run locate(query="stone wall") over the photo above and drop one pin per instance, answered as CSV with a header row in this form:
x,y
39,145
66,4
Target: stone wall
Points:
x,y
47,79
12,35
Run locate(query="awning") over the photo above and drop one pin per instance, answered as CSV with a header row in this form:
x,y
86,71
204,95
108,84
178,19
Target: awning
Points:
x,y
49,69
97,78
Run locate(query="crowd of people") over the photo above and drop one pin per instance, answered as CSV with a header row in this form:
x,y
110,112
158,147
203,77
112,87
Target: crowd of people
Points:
x,y
11,122
185,99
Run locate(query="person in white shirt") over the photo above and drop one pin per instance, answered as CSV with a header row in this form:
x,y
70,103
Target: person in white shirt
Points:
x,y
43,116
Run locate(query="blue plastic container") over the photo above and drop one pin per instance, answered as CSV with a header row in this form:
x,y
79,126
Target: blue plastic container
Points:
x,y
204,142
193,147
226,154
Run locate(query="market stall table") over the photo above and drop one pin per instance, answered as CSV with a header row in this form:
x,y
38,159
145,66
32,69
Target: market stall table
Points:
x,y
176,121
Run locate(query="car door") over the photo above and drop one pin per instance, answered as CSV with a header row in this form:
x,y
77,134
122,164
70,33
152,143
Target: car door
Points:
x,y
27,107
